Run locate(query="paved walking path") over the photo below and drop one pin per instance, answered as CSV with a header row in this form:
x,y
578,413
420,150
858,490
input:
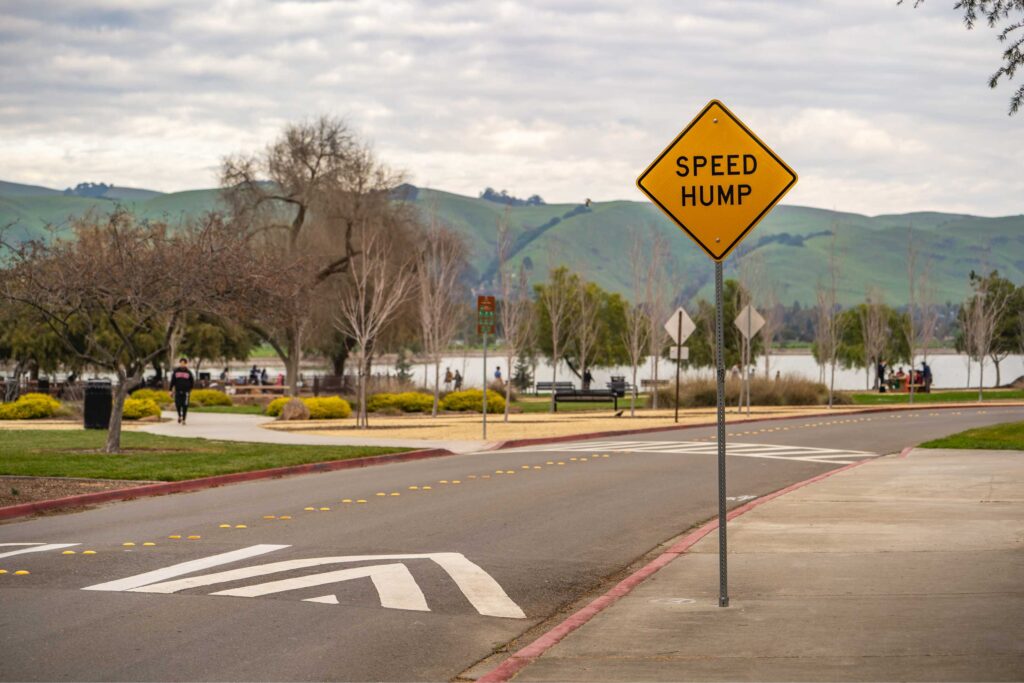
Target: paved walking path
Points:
x,y
900,569
231,427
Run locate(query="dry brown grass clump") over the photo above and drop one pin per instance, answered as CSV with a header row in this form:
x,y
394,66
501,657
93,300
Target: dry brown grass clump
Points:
x,y
785,391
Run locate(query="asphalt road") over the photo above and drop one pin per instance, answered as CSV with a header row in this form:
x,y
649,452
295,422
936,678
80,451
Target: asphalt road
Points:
x,y
416,586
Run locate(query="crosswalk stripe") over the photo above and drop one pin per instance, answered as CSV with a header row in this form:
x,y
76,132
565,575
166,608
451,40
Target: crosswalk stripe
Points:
x,y
706,447
34,548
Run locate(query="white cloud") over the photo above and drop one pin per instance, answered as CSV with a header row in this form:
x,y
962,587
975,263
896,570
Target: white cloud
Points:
x,y
880,108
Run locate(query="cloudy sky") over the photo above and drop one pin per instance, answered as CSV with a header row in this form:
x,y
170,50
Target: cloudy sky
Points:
x,y
880,108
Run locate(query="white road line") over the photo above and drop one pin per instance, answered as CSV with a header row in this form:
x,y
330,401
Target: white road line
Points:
x,y
324,600
482,591
394,583
34,548
139,580
733,449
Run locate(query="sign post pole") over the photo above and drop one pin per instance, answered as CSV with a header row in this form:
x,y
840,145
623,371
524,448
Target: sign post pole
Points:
x,y
679,358
485,384
723,572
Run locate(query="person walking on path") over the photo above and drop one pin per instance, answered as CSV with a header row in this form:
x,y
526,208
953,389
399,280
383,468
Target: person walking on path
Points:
x,y
448,379
457,378
587,379
182,382
497,376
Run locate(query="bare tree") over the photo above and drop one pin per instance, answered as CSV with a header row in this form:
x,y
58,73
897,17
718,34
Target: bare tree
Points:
x,y
516,309
874,329
637,332
772,314
985,308
440,262
304,200
657,302
827,331
376,289
586,324
928,310
558,298
115,295
910,325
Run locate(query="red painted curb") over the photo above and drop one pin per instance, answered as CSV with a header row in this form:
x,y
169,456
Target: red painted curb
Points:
x,y
527,655
519,443
165,488
906,451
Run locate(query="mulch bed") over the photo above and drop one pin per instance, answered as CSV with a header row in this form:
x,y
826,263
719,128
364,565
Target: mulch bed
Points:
x,y
16,490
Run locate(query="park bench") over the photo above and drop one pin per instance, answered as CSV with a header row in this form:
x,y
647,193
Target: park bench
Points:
x,y
547,387
573,395
648,383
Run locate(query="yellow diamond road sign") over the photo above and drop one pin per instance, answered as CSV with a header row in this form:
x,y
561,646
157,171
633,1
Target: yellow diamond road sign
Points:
x,y
717,180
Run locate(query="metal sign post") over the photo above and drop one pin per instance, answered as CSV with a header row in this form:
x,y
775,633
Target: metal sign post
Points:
x,y
723,570
485,309
679,327
716,180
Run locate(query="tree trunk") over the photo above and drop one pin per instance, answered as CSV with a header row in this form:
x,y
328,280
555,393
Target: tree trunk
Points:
x,y
554,380
968,372
981,379
654,377
437,386
832,382
999,380
113,444
508,386
632,395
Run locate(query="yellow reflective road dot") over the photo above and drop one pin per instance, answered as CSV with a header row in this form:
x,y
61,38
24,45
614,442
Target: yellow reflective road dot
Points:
x,y
346,500
583,460
360,501
510,471
605,455
537,467
223,526
68,552
241,526
573,459
285,517
194,537
524,467
149,544
456,481
561,462
309,509
486,476
129,544
88,552
428,488
174,537
499,471
380,493
325,509
269,516
472,476
443,481
395,493
21,572
550,462
414,488
3,571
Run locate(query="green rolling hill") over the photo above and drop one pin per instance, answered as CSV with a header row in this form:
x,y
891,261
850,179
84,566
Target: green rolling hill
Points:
x,y
793,242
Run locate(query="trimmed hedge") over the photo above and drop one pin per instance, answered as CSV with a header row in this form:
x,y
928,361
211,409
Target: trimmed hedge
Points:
x,y
325,408
30,407
407,402
210,397
785,391
161,398
138,408
473,400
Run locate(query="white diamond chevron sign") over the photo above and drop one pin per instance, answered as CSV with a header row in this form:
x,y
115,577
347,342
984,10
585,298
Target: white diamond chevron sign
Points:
x,y
679,326
749,321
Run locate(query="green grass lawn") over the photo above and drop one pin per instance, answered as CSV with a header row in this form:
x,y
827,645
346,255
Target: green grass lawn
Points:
x,y
237,410
543,404
1006,437
51,453
963,396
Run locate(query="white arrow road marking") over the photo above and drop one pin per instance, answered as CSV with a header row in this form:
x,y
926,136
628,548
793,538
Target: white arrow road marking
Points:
x,y
482,591
34,548
394,583
133,582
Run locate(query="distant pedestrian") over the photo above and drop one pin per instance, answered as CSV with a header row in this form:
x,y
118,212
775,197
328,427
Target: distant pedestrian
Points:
x,y
224,375
778,375
182,381
264,378
254,375
457,379
497,375
926,375
448,379
587,379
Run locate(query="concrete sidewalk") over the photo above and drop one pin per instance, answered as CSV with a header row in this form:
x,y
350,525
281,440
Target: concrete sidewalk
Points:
x,y
231,427
900,569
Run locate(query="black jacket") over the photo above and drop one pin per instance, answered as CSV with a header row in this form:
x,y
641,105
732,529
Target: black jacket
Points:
x,y
182,380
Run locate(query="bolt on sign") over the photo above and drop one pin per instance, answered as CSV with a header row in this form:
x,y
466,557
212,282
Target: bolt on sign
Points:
x,y
717,180
485,309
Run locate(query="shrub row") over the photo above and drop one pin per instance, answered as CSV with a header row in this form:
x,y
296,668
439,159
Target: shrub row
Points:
x,y
138,408
30,407
473,400
406,402
200,397
785,391
324,408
